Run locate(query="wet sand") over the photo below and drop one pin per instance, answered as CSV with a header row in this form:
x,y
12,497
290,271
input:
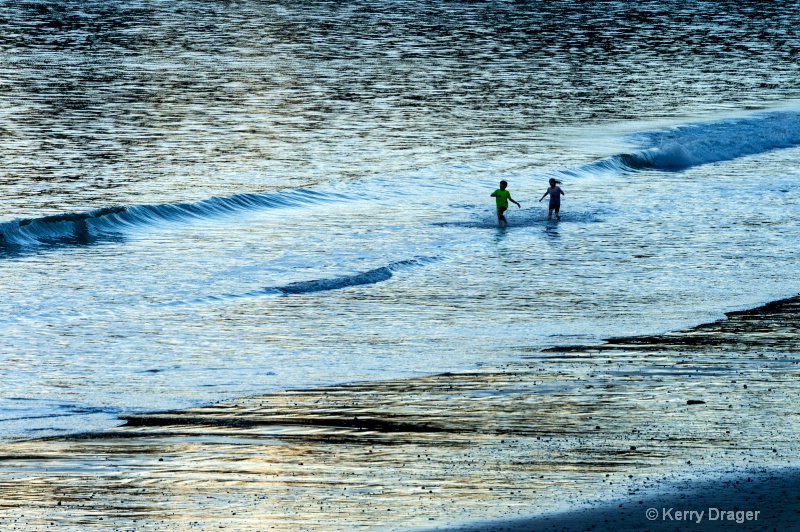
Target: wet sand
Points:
x,y
764,500
560,435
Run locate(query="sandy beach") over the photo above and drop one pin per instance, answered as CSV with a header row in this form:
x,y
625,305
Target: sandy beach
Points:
x,y
577,438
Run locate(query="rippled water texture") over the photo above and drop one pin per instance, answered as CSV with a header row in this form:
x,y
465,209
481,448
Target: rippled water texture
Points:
x,y
210,199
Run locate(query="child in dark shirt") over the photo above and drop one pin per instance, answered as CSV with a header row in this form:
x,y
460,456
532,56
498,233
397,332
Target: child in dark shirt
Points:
x,y
555,194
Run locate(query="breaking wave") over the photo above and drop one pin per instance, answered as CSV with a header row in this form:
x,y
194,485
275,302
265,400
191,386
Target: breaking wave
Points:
x,y
99,224
691,145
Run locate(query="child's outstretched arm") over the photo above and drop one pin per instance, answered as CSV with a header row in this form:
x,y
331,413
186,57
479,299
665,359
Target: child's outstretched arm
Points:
x,y
515,203
543,196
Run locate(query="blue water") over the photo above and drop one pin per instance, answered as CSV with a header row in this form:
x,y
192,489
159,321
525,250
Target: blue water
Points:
x,y
205,200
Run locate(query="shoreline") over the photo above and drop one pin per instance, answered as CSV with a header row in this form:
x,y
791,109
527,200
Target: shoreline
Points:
x,y
571,427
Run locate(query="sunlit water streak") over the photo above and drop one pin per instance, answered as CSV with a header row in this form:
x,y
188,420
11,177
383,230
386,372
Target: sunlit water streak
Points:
x,y
202,201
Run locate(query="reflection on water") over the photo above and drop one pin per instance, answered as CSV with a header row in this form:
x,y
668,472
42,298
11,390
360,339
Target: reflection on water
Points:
x,y
551,230
202,151
553,432
108,102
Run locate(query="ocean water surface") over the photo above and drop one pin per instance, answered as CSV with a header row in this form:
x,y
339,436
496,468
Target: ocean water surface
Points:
x,y
201,200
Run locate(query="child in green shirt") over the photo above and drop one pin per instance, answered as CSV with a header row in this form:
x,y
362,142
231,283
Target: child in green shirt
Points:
x,y
502,197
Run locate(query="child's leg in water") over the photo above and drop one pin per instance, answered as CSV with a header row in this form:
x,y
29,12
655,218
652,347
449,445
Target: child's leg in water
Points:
x,y
500,217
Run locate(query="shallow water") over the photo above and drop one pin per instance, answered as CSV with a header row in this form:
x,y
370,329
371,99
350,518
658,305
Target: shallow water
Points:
x,y
206,200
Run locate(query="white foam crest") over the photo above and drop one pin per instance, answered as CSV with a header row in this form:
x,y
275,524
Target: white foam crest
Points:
x,y
696,144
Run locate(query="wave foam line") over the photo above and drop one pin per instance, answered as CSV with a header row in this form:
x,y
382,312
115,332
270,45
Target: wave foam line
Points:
x,y
337,283
691,145
83,228
374,276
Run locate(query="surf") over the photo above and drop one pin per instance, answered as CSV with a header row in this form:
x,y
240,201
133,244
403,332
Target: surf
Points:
x,y
693,144
83,228
368,277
